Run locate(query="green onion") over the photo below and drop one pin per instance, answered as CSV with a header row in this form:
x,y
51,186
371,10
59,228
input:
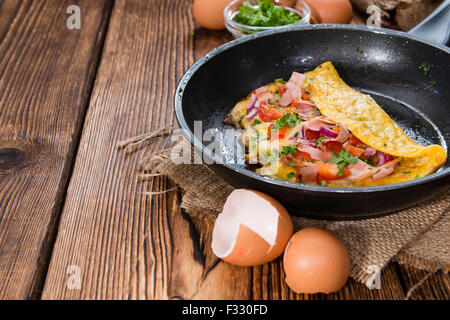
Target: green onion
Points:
x,y
256,122
290,149
291,175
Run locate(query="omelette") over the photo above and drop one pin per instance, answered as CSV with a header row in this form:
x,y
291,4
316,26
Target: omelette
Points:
x,y
315,129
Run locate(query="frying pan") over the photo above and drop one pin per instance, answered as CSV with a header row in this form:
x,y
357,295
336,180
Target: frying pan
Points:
x,y
383,63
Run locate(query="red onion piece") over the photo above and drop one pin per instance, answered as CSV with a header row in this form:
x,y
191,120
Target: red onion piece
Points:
x,y
252,114
383,158
251,105
370,152
328,132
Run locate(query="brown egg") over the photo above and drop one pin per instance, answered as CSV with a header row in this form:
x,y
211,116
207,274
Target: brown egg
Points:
x,y
331,11
209,13
252,229
316,260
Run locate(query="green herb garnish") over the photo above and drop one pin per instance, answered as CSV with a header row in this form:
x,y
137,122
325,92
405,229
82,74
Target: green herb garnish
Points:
x,y
342,160
265,14
417,176
406,172
256,122
319,140
290,119
369,162
432,83
291,175
290,149
323,183
425,67
296,134
280,80
292,164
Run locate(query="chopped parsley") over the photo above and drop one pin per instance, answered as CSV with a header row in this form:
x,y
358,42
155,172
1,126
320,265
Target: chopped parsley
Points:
x,y
406,172
319,140
291,175
425,67
290,119
290,149
265,14
296,134
292,164
256,122
342,160
417,176
432,83
369,162
323,183
280,80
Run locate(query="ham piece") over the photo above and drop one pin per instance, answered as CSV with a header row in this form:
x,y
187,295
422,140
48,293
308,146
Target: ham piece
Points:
x,y
293,89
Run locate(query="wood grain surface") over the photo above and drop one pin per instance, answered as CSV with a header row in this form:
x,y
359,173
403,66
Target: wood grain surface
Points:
x,y
46,75
119,238
112,240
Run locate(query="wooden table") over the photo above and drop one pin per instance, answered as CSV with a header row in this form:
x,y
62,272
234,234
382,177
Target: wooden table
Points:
x,y
74,223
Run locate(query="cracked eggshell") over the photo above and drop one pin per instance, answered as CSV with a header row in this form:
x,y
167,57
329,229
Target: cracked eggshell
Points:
x,y
252,229
316,260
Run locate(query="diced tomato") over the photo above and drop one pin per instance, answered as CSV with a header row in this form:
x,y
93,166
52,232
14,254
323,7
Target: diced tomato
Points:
x,y
268,114
364,157
333,146
281,90
354,151
354,141
312,135
330,171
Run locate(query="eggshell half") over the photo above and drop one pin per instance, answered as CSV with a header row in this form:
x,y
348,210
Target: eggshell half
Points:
x,y
316,260
331,11
252,229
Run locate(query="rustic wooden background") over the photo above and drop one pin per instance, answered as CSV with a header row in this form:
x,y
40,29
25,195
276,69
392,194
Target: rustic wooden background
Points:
x,y
69,197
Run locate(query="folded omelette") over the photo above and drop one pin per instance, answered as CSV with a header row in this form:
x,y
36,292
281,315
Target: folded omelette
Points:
x,y
315,129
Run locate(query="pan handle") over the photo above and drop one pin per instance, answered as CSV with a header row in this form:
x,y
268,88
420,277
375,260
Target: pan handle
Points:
x,y
435,27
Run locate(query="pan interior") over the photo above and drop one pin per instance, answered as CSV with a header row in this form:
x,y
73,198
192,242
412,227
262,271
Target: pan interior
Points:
x,y
385,66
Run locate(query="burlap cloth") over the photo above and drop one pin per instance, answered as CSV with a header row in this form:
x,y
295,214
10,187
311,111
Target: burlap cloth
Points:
x,y
418,236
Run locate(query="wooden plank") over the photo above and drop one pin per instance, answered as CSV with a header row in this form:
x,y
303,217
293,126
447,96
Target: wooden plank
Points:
x,y
46,75
421,285
119,238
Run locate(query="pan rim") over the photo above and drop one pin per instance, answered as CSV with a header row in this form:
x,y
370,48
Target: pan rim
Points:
x,y
178,98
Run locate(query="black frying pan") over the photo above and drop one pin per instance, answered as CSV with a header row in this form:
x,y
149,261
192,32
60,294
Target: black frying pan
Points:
x,y
380,62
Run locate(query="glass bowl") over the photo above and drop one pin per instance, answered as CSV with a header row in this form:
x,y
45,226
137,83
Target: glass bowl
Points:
x,y
239,30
